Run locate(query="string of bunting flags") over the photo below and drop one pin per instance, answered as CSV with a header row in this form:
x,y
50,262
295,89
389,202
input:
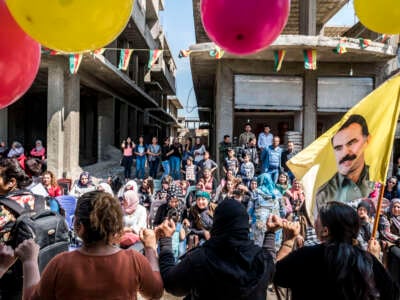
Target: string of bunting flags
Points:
x,y
310,55
124,57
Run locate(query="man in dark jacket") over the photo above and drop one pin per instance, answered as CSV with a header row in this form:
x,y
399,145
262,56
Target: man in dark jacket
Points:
x,y
227,266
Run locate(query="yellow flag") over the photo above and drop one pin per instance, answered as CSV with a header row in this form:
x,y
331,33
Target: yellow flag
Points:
x,y
335,165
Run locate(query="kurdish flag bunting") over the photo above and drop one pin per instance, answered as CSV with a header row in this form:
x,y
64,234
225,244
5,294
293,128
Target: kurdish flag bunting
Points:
x,y
364,43
50,51
124,57
184,53
74,62
385,38
154,55
340,48
99,51
278,59
217,52
310,59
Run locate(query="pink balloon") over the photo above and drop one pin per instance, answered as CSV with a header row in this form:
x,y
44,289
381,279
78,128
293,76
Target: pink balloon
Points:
x,y
244,26
19,59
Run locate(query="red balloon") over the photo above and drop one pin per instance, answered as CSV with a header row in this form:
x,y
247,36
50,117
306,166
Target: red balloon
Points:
x,y
244,26
19,59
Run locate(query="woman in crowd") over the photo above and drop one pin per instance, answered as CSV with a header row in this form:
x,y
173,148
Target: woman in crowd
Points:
x,y
83,185
165,154
187,151
13,183
390,188
160,198
140,153
283,184
38,151
163,210
296,199
389,231
175,157
227,266
105,187
50,183
146,193
94,270
198,150
210,183
200,219
259,208
154,152
227,190
337,268
127,158
135,217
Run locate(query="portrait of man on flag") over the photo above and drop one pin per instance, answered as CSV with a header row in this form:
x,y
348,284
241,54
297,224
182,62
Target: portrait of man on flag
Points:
x,y
351,181
345,161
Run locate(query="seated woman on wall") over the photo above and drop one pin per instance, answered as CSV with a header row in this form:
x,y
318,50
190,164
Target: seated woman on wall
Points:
x,y
38,151
94,270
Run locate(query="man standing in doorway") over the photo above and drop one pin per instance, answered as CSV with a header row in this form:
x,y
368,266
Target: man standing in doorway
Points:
x,y
287,155
246,135
271,159
265,138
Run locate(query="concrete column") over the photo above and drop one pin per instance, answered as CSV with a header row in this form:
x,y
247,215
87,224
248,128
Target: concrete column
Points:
x,y
308,17
71,124
105,110
123,119
55,120
310,104
298,121
4,125
224,105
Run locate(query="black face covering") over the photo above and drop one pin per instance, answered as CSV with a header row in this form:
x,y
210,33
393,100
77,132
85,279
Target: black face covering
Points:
x,y
230,252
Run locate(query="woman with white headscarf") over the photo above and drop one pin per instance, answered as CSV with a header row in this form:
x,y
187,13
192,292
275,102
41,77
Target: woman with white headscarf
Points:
x,y
38,151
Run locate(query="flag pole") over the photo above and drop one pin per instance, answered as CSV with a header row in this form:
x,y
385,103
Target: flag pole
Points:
x,y
378,211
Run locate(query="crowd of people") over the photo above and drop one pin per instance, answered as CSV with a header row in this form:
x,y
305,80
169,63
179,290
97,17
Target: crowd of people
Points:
x,y
201,236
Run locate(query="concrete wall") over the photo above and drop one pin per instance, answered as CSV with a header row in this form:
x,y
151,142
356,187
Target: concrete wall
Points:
x,y
223,105
105,110
55,119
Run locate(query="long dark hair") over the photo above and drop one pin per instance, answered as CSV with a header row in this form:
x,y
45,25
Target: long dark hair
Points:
x,y
348,265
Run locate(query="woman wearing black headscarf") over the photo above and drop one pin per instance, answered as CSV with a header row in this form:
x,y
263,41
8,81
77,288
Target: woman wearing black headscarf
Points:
x,y
227,266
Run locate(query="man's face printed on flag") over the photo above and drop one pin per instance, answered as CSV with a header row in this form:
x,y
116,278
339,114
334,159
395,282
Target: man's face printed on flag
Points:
x,y
349,145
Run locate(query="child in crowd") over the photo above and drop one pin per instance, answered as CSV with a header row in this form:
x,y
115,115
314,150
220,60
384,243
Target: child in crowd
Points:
x,y
231,163
190,171
246,169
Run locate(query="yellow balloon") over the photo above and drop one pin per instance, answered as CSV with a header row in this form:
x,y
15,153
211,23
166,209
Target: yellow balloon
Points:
x,y
381,16
72,25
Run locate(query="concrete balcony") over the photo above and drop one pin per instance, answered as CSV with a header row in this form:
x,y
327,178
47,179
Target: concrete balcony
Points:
x,y
139,30
161,73
152,9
